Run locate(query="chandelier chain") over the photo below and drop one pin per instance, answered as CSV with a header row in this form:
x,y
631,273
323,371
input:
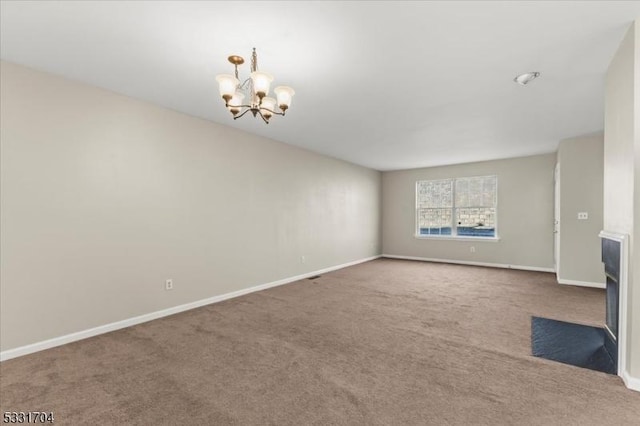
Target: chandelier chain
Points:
x,y
254,61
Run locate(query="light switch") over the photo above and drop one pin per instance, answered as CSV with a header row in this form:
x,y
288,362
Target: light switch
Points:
x,y
583,216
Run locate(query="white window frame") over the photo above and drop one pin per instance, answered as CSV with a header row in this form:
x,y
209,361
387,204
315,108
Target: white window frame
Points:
x,y
454,224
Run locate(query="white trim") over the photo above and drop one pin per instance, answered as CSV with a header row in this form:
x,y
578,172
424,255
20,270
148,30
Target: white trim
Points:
x,y
631,382
454,238
623,285
581,283
106,328
464,262
613,236
556,219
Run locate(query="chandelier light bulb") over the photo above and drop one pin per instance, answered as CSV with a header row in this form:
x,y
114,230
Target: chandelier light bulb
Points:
x,y
227,85
284,95
261,82
267,106
235,104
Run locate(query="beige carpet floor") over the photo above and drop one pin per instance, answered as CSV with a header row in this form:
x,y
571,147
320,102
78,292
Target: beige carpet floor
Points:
x,y
388,342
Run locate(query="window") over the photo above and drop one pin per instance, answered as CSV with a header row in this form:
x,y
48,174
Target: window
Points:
x,y
462,207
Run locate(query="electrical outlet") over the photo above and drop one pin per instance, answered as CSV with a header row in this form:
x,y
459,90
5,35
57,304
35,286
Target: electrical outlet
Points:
x,y
472,249
583,216
168,284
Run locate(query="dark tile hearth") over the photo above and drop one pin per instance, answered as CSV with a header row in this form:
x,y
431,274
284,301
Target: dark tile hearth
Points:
x,y
569,343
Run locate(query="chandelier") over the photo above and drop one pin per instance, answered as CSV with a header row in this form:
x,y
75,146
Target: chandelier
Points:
x,y
255,89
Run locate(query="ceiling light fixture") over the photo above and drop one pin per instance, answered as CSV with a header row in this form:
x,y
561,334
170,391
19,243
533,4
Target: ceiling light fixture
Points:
x,y
256,89
526,78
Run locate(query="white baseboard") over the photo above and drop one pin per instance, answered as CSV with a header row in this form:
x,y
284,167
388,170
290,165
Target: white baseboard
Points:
x,y
84,334
631,382
464,262
581,283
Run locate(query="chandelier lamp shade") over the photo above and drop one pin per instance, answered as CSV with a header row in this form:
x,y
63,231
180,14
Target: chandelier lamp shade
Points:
x,y
252,95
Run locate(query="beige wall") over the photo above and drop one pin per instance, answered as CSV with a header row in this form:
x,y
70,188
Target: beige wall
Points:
x,y
581,162
621,169
104,197
525,213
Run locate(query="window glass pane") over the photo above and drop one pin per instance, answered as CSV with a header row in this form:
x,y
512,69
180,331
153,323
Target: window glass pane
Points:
x,y
476,222
435,193
434,221
489,191
462,192
476,191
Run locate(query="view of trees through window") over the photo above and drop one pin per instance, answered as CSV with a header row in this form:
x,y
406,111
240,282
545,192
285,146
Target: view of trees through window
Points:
x,y
464,207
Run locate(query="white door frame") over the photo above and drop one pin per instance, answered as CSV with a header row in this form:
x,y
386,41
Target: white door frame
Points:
x,y
556,220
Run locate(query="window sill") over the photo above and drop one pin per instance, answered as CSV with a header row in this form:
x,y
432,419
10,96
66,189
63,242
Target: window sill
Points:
x,y
453,238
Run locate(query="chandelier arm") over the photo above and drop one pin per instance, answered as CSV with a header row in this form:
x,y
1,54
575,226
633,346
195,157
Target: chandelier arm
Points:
x,y
237,106
235,117
272,112
262,116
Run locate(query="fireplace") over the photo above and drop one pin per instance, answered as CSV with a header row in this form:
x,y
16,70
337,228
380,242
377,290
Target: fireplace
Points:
x,y
615,259
596,348
611,250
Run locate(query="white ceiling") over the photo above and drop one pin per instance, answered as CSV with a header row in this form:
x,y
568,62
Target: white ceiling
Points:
x,y
388,85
